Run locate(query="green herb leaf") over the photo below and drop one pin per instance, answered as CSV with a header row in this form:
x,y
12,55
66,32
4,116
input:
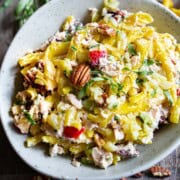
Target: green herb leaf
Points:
x,y
96,72
88,104
140,81
114,106
79,28
120,86
26,8
145,118
5,5
126,69
96,79
116,118
154,92
148,62
132,50
82,93
73,48
144,73
29,118
168,96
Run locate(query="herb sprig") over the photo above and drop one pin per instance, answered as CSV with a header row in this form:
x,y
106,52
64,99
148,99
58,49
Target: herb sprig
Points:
x,y
132,50
5,4
100,76
29,118
168,96
24,9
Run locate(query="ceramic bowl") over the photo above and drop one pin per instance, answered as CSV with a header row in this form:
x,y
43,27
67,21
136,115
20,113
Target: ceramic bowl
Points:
x,y
44,23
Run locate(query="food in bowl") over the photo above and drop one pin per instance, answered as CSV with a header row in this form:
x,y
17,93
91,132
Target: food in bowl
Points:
x,y
95,91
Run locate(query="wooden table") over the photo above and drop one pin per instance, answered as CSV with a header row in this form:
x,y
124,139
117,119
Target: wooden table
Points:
x,y
11,166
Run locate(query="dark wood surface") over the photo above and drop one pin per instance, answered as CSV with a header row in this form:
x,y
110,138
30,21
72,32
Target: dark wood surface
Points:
x,y
11,166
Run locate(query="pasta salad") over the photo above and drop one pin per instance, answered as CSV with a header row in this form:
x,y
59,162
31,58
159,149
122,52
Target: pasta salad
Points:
x,y
94,91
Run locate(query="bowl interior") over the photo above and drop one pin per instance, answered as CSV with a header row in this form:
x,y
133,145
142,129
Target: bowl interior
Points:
x,y
39,28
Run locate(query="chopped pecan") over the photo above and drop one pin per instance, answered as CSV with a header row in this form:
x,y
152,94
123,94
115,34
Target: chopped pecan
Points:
x,y
40,65
30,76
121,13
159,171
106,30
118,12
81,75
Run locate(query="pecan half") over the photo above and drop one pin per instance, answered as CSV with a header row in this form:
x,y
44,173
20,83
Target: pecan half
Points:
x,y
106,30
159,171
81,75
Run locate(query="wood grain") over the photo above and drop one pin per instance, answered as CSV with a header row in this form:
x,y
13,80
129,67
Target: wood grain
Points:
x,y
11,166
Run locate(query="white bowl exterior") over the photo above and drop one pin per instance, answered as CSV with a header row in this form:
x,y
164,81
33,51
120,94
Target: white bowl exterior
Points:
x,y
39,28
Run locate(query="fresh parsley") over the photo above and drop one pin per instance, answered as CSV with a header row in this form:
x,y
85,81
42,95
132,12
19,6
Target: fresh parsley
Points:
x,y
144,73
140,81
83,92
29,118
168,96
73,48
79,28
132,50
148,62
126,69
88,104
96,72
116,118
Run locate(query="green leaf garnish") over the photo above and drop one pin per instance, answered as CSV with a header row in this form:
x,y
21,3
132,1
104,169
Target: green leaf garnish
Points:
x,y
120,86
88,104
168,96
144,73
145,118
116,118
114,106
126,69
25,8
140,81
79,28
29,118
154,92
115,87
132,50
148,62
96,72
73,48
5,5
82,93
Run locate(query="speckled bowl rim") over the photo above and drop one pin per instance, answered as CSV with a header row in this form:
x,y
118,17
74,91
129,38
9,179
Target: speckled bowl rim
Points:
x,y
147,165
